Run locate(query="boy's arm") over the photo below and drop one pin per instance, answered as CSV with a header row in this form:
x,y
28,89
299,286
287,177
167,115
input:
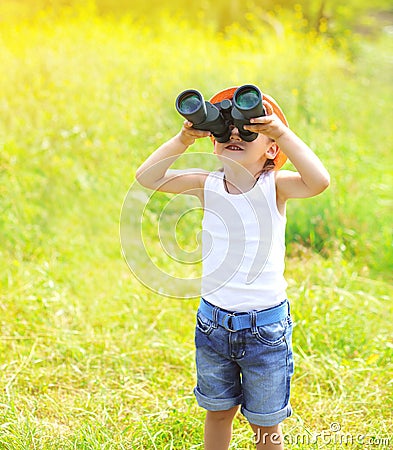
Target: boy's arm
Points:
x,y
311,177
155,174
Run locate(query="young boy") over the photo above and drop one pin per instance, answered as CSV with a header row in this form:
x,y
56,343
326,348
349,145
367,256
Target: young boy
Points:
x,y
244,328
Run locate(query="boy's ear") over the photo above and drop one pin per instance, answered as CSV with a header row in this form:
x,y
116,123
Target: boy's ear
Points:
x,y
272,151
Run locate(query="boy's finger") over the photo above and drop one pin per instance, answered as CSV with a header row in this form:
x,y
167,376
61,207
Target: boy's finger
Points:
x,y
262,119
200,133
203,133
256,128
268,107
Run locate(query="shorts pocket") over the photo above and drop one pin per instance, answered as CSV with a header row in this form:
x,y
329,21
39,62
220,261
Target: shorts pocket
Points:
x,y
274,333
204,325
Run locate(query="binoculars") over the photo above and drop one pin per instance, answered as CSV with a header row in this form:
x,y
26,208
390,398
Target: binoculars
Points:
x,y
218,117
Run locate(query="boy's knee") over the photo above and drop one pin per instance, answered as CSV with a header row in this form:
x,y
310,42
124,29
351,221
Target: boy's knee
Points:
x,y
222,416
270,429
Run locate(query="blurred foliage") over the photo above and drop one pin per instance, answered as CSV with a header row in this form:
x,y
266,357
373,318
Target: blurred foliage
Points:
x,y
84,99
333,17
77,100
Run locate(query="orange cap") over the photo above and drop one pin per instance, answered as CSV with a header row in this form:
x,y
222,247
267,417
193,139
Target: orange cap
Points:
x,y
227,94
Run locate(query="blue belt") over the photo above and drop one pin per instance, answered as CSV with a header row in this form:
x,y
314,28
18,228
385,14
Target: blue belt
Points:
x,y
234,321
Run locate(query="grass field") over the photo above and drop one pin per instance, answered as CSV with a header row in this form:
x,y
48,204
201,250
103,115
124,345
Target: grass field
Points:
x,y
92,359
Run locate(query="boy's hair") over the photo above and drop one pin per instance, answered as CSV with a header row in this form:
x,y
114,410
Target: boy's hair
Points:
x,y
279,160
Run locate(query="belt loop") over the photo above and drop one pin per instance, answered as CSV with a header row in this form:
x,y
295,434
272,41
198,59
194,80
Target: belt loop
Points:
x,y
253,319
289,307
215,316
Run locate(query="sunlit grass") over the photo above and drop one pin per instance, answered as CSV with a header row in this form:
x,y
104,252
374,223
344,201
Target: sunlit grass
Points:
x,y
91,359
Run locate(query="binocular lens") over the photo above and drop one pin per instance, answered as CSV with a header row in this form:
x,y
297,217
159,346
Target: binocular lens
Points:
x,y
247,99
217,117
189,104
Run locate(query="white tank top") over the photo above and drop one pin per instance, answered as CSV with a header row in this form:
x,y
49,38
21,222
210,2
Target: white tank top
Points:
x,y
243,246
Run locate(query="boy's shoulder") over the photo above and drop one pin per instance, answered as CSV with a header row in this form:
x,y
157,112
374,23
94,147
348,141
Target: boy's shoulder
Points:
x,y
282,174
283,177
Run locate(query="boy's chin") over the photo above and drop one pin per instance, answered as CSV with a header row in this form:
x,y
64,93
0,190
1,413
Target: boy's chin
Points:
x,y
233,154
232,158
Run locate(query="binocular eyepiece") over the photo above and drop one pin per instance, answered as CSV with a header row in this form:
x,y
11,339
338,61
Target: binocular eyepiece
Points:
x,y
218,117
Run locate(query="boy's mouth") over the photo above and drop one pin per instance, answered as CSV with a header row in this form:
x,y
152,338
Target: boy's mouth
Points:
x,y
233,148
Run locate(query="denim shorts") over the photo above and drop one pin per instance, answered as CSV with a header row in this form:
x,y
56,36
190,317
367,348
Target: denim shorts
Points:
x,y
251,367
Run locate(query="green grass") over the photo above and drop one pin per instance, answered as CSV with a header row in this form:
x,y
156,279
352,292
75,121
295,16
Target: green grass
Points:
x,y
89,358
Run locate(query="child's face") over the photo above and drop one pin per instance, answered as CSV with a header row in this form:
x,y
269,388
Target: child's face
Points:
x,y
246,153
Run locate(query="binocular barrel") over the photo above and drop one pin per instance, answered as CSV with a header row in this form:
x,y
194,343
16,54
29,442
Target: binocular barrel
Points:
x,y
191,105
248,100
204,116
217,118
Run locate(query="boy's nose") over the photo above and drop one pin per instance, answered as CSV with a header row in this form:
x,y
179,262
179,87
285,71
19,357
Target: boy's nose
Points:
x,y
234,131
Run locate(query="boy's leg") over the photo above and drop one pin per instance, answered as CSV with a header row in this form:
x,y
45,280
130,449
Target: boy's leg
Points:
x,y
218,429
267,369
268,437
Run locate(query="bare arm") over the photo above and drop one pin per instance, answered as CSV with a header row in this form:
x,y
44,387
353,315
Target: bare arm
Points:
x,y
311,177
155,174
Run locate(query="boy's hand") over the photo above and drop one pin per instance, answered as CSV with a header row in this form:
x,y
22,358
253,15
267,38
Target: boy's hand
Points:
x,y
269,125
188,134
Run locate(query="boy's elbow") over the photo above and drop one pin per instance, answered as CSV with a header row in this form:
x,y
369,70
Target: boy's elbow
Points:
x,y
141,172
143,178
324,182
138,176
